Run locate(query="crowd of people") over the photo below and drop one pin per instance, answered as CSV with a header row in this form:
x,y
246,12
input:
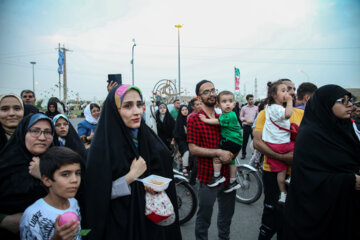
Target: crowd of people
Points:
x,y
308,143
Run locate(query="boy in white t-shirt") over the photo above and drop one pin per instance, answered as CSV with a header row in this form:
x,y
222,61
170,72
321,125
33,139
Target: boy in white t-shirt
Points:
x,y
61,174
277,113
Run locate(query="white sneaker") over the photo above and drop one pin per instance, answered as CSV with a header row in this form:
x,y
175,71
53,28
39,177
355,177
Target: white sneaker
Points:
x,y
287,181
282,198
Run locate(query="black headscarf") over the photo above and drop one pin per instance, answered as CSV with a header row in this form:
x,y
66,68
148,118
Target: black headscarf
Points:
x,y
18,189
111,154
3,138
51,114
29,108
322,202
179,131
165,128
72,139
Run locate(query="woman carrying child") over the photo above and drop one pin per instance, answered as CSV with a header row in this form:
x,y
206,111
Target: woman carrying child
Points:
x,y
123,142
277,112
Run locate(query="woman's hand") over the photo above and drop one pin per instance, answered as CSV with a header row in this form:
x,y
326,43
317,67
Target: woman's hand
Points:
x,y
150,190
89,138
11,222
34,168
137,168
66,231
111,85
357,182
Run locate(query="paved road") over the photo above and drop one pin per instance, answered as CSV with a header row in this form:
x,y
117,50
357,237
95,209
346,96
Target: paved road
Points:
x,y
245,223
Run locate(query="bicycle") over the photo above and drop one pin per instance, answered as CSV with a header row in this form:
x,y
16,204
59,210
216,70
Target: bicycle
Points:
x,y
250,181
186,197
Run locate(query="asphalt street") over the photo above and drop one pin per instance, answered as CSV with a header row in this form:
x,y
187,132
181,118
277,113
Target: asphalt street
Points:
x,y
245,223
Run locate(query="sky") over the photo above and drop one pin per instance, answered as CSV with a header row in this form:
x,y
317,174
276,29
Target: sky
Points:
x,y
307,40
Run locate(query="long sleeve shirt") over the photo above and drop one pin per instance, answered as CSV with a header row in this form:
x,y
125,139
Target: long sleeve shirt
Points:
x,y
248,113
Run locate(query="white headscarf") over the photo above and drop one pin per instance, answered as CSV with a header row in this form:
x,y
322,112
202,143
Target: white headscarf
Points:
x,y
88,116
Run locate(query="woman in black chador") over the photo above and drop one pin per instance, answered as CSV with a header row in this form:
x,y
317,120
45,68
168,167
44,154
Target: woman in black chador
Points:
x,y
20,184
323,201
165,124
122,144
180,137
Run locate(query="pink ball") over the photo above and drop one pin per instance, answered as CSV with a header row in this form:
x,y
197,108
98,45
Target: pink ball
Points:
x,y
68,217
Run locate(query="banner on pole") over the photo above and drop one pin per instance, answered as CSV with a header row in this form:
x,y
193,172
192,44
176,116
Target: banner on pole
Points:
x,y
60,61
237,78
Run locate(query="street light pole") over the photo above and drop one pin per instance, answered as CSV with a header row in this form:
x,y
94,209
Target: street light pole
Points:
x,y
33,64
178,26
132,60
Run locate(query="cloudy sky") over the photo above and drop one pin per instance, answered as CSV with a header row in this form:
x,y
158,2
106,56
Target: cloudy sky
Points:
x,y
307,40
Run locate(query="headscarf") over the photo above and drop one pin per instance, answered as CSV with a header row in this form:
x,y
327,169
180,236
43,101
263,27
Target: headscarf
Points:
x,y
6,132
72,139
52,114
29,108
88,116
165,127
179,131
111,154
322,202
18,189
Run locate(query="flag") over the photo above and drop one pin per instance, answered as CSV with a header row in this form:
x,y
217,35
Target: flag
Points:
x,y
237,78
60,61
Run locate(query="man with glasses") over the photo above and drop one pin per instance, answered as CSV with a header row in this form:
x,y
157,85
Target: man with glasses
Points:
x,y
272,218
203,140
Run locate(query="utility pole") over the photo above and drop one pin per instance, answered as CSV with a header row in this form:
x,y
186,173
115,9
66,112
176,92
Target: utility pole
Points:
x,y
65,78
33,64
132,61
178,26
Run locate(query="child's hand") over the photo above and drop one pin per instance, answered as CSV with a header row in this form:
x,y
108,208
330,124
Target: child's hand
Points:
x,y
202,117
89,138
34,168
288,97
66,231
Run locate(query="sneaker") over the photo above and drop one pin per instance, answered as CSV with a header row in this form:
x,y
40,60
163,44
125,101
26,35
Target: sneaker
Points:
x,y
287,181
243,156
216,181
232,186
282,198
185,172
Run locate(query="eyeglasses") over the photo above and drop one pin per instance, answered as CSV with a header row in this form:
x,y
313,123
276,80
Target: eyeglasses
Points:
x,y
207,92
36,132
344,101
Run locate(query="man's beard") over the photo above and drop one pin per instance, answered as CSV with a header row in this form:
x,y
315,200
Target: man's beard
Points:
x,y
209,104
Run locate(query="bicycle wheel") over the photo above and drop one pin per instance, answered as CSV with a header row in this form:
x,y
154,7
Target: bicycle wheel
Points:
x,y
251,185
186,199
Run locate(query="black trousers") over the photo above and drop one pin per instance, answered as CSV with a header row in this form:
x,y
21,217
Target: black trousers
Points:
x,y
272,217
247,131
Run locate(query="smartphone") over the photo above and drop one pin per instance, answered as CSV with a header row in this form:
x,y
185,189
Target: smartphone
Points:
x,y
115,78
